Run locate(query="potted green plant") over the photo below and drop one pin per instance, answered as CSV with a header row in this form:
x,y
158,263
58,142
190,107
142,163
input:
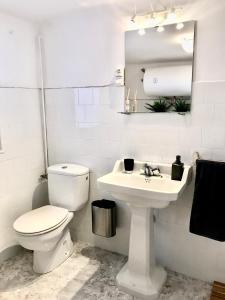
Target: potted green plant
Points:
x,y
160,105
181,106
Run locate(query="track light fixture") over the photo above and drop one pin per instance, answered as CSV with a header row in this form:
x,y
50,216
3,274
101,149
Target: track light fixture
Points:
x,y
156,19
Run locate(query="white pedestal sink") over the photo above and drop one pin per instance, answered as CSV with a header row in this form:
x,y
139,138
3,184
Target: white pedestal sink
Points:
x,y
141,276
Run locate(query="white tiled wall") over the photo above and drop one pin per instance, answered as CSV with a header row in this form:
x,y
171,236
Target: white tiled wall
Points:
x,y
21,162
84,127
21,153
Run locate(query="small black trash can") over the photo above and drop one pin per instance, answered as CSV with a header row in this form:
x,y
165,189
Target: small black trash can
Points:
x,y
104,218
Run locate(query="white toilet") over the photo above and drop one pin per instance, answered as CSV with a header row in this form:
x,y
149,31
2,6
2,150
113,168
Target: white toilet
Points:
x,y
45,230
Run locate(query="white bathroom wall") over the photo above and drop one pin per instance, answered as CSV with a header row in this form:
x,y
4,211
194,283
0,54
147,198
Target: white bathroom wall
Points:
x,y
21,156
84,126
97,33
18,59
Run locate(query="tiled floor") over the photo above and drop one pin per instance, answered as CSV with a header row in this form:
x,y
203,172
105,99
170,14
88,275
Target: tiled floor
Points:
x,y
88,274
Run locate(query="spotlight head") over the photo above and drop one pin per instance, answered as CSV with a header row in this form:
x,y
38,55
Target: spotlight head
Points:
x,y
141,31
132,20
179,26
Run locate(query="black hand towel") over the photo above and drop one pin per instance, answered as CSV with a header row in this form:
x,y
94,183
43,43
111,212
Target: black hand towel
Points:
x,y
208,209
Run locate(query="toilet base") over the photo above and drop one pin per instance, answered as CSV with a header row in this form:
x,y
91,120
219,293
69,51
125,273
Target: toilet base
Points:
x,y
44,262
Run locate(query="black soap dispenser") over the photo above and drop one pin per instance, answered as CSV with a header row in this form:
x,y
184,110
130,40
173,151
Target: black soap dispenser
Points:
x,y
177,169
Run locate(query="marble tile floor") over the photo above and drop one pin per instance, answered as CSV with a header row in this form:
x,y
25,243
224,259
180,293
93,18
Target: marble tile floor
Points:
x,y
88,274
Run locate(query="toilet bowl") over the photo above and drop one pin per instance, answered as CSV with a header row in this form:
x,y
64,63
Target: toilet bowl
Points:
x,y
49,239
45,230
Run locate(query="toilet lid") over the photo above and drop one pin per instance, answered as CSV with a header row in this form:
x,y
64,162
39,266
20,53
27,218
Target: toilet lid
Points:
x,y
40,219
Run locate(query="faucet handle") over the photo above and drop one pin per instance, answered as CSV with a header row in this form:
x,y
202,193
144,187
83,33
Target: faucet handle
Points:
x,y
156,171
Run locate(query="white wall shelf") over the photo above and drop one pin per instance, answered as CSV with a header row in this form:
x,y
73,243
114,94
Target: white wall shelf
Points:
x,y
146,112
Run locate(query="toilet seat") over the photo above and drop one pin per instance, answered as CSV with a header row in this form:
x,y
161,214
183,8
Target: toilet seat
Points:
x,y
41,220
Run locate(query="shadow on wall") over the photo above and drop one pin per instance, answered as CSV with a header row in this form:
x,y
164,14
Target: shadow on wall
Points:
x,y
40,195
79,216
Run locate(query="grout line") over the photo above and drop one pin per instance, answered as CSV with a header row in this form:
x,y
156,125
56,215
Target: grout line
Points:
x,y
83,87
19,87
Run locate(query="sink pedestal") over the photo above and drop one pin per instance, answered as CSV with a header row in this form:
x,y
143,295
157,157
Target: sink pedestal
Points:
x,y
141,277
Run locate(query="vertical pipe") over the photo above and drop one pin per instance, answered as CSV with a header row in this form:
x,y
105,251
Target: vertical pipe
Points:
x,y
43,106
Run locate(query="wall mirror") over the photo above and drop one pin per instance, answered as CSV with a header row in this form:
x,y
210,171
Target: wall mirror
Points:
x,y
158,68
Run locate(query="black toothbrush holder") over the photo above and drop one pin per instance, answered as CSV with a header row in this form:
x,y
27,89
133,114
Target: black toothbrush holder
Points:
x,y
128,165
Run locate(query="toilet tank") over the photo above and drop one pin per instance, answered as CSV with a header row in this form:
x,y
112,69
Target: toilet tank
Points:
x,y
68,186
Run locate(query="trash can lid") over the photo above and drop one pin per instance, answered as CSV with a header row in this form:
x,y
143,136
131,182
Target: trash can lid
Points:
x,y
107,204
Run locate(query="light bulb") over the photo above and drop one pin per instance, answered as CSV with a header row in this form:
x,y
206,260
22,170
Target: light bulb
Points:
x,y
141,31
171,16
160,29
179,26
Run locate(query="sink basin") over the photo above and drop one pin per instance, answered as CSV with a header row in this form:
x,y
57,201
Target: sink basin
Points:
x,y
141,276
136,189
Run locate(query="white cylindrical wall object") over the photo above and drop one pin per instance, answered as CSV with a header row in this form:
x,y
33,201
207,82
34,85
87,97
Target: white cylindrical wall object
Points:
x,y
168,80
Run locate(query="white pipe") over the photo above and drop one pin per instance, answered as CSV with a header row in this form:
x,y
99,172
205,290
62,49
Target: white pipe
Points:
x,y
43,106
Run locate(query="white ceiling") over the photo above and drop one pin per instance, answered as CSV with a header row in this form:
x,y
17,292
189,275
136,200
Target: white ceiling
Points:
x,y
39,10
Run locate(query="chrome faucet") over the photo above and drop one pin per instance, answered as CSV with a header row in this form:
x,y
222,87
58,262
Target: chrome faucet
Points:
x,y
149,171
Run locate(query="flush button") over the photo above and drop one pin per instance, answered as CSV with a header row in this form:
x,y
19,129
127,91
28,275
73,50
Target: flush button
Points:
x,y
64,167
